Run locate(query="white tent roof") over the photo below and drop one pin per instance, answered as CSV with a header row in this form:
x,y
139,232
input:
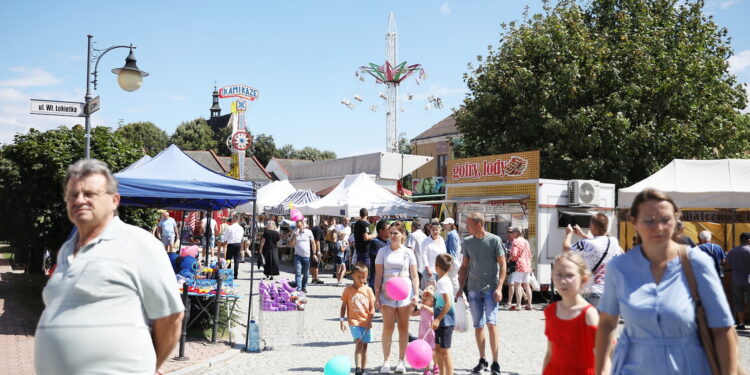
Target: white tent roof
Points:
x,y
269,195
721,183
358,191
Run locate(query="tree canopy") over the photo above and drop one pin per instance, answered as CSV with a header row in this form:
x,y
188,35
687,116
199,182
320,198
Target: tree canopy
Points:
x,y
195,135
145,134
31,173
612,90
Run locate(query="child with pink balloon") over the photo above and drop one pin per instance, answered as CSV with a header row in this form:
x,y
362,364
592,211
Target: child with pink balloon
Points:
x,y
426,314
358,308
445,318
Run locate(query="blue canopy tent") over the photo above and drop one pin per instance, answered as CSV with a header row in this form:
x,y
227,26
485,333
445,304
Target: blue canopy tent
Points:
x,y
172,180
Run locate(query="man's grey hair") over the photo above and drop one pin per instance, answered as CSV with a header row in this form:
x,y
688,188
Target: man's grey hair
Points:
x,y
270,225
705,236
87,167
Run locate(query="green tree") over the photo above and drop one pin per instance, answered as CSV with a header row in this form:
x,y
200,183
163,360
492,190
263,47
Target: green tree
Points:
x,y
264,148
195,135
312,153
31,173
145,134
286,151
611,90
220,138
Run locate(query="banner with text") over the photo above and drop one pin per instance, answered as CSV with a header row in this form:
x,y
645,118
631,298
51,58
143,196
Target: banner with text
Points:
x,y
505,167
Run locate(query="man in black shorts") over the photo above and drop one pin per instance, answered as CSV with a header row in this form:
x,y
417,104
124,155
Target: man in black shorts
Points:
x,y
319,234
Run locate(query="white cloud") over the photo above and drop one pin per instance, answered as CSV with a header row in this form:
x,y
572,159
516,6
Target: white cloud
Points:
x,y
15,117
724,5
446,8
31,77
739,62
69,58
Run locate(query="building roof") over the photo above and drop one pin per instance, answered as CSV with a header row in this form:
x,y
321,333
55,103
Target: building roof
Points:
x,y
253,170
289,164
446,126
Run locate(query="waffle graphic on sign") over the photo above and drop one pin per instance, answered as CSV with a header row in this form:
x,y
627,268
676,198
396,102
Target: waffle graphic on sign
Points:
x,y
516,166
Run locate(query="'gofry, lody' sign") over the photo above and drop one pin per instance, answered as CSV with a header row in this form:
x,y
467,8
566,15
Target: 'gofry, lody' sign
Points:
x,y
505,167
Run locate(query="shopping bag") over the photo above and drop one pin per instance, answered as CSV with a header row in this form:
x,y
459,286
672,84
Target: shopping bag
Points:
x,y
462,320
534,283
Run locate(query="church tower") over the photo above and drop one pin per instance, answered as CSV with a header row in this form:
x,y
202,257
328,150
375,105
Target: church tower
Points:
x,y
215,109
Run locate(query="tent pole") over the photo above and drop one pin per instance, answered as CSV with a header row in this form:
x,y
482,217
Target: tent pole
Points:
x,y
252,274
207,234
182,229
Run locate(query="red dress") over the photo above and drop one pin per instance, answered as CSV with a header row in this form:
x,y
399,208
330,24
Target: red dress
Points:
x,y
572,343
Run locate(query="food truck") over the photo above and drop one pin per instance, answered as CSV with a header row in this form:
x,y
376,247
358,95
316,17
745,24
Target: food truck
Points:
x,y
508,190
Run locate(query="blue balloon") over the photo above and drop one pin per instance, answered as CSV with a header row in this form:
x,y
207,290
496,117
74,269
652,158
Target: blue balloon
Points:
x,y
338,365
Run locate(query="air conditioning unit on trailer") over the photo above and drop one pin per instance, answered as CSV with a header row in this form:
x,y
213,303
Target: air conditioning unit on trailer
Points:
x,y
583,193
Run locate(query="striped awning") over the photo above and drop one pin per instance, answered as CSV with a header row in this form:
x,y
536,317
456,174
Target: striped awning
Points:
x,y
297,198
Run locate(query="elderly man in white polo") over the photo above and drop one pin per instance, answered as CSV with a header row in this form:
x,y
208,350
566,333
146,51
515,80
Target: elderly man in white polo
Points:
x,y
112,306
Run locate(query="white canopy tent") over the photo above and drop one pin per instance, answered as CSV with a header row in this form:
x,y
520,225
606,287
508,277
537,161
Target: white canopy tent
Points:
x,y
269,195
723,183
358,191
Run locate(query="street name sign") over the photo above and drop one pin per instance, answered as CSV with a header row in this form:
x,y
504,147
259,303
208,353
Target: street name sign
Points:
x,y
92,105
56,108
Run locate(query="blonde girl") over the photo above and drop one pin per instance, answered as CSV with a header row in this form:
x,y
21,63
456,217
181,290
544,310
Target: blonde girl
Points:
x,y
571,323
425,313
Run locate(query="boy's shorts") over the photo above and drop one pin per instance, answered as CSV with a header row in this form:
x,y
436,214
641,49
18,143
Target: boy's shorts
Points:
x,y
361,332
444,337
339,260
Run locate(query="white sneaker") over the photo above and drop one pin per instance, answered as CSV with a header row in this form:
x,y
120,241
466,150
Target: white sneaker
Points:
x,y
400,368
386,369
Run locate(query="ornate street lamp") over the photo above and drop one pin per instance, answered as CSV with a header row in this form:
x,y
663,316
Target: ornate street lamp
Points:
x,y
129,77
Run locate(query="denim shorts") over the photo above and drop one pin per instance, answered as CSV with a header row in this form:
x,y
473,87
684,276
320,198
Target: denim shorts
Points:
x,y
483,306
361,332
339,260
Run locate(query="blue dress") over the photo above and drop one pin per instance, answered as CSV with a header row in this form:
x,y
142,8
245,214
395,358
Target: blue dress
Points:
x,y
661,334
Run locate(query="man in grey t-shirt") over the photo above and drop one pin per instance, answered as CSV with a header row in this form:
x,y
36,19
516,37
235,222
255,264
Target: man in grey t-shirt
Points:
x,y
483,271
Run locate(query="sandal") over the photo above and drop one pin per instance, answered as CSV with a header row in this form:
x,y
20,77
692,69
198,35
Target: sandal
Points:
x,y
513,308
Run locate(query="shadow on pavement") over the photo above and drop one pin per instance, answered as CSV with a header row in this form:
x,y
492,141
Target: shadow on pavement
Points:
x,y
324,344
307,369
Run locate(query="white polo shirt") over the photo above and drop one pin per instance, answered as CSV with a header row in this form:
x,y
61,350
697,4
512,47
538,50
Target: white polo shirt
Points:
x,y
234,233
98,304
302,244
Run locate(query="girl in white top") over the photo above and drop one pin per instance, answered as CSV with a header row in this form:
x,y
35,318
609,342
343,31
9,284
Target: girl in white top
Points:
x,y
395,260
431,247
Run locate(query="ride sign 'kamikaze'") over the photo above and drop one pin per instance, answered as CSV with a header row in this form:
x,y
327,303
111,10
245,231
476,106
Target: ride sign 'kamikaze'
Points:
x,y
522,165
239,91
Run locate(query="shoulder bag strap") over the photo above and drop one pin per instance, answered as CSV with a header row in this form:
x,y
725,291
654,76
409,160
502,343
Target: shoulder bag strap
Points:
x,y
704,331
593,269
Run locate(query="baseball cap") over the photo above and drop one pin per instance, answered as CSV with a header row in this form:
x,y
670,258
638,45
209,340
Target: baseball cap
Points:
x,y
448,220
744,236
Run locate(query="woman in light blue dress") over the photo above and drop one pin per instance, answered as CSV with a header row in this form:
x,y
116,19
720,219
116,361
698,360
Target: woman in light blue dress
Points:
x,y
648,288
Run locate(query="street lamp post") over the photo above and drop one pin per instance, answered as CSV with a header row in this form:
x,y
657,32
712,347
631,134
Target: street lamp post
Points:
x,y
129,77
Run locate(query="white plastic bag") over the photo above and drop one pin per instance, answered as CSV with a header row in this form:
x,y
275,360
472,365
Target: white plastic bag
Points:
x,y
462,320
534,283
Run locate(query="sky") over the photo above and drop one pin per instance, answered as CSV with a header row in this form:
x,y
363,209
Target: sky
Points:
x,y
300,55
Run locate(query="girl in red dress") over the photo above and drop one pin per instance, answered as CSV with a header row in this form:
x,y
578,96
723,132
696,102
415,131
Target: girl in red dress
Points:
x,y
570,324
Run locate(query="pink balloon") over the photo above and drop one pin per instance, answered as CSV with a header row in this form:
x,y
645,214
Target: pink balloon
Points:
x,y
418,354
397,288
295,215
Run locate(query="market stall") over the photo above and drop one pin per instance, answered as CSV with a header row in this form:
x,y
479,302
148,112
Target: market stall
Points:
x,y
508,191
269,196
358,191
714,195
172,180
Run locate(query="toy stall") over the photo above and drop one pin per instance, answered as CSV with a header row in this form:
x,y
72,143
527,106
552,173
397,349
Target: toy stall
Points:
x,y
507,189
172,180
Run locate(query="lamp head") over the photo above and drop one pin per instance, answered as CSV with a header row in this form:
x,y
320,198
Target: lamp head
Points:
x,y
129,77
